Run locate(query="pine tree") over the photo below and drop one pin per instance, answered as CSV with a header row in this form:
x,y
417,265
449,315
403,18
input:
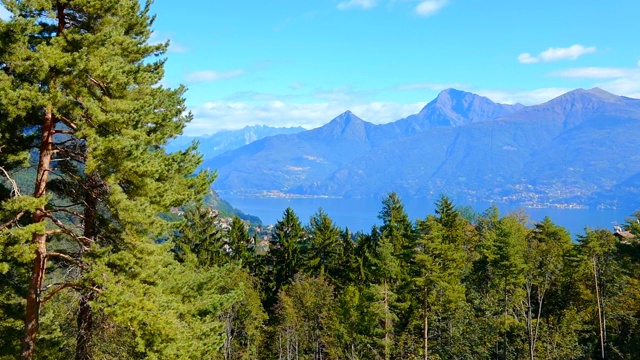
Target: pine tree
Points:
x,y
396,226
387,271
325,250
547,246
285,254
439,269
506,261
82,81
239,243
199,239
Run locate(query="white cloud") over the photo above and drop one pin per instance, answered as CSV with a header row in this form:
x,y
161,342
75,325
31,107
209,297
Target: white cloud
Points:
x,y
525,97
4,13
570,53
210,75
430,7
526,58
592,73
555,54
627,86
217,115
363,4
619,81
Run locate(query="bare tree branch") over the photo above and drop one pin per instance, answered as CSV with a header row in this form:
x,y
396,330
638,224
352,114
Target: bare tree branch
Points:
x,y
16,218
15,189
66,258
72,213
68,122
82,241
61,287
66,132
100,84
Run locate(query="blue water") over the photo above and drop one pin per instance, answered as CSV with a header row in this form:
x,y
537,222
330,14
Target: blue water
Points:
x,y
362,214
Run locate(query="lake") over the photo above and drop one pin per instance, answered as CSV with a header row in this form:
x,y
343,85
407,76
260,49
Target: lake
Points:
x,y
362,214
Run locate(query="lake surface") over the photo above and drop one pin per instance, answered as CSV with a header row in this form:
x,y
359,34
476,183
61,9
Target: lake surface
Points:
x,y
362,214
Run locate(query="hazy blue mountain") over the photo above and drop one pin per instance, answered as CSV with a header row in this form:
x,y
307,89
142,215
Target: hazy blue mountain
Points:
x,y
580,147
225,140
285,161
453,108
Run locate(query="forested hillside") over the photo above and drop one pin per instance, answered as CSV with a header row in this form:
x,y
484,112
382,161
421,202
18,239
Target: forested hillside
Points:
x,y
453,285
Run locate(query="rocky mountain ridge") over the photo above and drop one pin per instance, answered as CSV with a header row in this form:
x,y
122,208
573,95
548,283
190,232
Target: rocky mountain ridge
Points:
x,y
577,148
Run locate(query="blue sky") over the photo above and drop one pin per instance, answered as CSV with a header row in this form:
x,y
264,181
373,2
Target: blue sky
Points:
x,y
303,62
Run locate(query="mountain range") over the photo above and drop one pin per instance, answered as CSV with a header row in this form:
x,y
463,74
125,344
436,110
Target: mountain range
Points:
x,y
580,148
212,145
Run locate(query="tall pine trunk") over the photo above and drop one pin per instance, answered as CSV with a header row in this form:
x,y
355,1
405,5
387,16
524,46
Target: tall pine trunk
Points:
x,y
40,240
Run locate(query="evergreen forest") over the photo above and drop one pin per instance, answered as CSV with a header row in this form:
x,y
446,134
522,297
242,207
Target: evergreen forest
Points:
x,y
94,266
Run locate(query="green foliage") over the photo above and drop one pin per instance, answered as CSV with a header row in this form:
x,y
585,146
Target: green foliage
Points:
x,y
285,253
359,318
80,93
199,240
325,250
438,280
240,242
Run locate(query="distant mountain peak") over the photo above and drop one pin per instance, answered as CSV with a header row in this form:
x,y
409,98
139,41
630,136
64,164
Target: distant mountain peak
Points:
x,y
602,93
346,118
347,115
453,107
451,96
594,95
347,125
